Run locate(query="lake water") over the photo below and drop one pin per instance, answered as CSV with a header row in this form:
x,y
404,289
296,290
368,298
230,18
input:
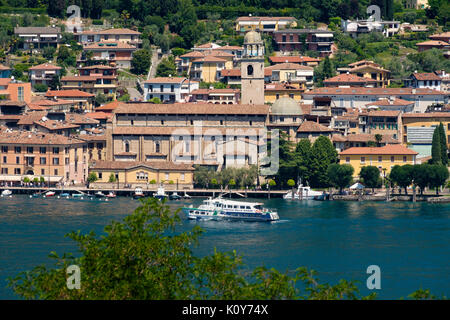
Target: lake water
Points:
x,y
409,242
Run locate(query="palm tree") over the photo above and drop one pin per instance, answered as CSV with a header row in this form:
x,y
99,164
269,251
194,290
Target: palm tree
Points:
x,y
378,138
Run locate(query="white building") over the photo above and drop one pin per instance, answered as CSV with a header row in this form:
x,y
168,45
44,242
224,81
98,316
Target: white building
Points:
x,y
427,80
169,89
360,97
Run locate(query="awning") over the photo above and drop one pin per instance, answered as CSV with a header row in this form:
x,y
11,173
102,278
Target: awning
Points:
x,y
324,35
49,35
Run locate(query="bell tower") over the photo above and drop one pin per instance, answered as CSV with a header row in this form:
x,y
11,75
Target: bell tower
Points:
x,y
252,70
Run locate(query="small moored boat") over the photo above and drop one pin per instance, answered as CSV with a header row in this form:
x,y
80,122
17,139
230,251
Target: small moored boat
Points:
x,y
111,195
49,194
160,193
6,193
303,192
175,196
138,193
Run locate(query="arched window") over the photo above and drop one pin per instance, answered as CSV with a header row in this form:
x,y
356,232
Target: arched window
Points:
x,y
250,70
157,147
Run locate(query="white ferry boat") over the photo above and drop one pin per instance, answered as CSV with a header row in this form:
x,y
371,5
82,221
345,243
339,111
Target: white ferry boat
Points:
x,y
220,208
304,191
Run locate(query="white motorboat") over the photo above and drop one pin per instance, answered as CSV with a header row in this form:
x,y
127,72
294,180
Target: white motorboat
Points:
x,y
303,192
6,193
49,194
138,193
160,193
219,208
111,195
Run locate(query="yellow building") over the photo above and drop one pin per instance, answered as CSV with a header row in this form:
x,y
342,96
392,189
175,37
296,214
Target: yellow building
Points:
x,y
371,70
274,91
382,157
173,175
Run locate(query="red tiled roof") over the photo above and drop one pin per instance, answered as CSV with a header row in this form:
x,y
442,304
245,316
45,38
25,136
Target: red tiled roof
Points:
x,y
231,73
381,113
192,54
433,43
372,91
364,137
3,67
68,93
311,126
45,66
161,165
387,149
98,115
109,106
388,102
119,31
104,45
427,115
209,58
426,76
348,78
289,66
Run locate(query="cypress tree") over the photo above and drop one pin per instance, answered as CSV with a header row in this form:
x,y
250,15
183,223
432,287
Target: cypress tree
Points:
x,y
443,140
436,153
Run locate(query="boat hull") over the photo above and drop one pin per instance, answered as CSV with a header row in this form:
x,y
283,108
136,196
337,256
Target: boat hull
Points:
x,y
202,214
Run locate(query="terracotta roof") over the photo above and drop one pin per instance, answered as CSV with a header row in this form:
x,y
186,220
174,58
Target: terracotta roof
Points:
x,y
372,91
119,31
387,149
3,67
28,137
191,108
231,73
205,45
179,130
80,78
109,106
228,47
381,113
192,54
363,62
4,81
209,58
364,137
55,124
166,80
311,126
440,35
369,66
427,115
388,102
30,118
432,43
92,137
99,115
107,45
68,93
348,78
45,66
158,165
97,66
215,91
426,76
288,66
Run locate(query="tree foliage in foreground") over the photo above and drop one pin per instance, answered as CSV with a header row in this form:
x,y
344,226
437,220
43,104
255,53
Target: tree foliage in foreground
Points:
x,y
144,257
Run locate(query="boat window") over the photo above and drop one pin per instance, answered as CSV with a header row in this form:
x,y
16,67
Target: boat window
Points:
x,y
247,207
242,207
235,207
258,207
230,206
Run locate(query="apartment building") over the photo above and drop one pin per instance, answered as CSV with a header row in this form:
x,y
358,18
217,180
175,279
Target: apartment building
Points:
x,y
359,97
293,73
381,122
15,90
429,80
123,35
39,37
216,96
83,99
303,60
116,53
56,158
43,73
264,24
384,157
96,79
317,40
169,89
370,70
348,80
356,28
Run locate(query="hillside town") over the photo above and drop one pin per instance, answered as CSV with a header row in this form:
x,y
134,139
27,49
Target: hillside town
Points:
x,y
111,105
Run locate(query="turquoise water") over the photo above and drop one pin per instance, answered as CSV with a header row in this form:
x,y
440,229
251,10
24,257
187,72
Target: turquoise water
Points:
x,y
409,242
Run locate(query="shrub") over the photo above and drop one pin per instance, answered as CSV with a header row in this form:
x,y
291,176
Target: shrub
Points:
x,y
40,87
97,22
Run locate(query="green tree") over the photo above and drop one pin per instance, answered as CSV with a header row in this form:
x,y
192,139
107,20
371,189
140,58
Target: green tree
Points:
x,y
443,141
370,176
40,87
92,177
402,176
100,99
340,175
378,138
436,153
438,176
166,68
112,178
323,154
232,183
421,175
48,53
140,63
291,183
55,83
